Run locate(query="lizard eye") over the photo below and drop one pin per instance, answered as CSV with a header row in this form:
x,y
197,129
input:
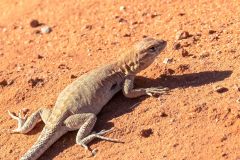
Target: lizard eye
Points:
x,y
152,49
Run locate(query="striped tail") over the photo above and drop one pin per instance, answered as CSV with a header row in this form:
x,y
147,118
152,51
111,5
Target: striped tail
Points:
x,y
45,140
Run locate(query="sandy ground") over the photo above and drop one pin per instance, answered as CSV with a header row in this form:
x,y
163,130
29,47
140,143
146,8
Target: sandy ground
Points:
x,y
193,122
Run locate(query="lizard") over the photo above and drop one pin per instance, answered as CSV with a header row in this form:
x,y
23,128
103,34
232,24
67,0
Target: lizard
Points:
x,y
77,106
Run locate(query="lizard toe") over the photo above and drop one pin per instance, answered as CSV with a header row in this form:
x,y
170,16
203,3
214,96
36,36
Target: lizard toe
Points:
x,y
20,119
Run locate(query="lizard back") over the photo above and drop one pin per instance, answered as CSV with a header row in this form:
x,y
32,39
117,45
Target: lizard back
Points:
x,y
88,93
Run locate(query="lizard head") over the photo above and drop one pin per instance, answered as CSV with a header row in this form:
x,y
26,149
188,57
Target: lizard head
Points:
x,y
146,51
141,55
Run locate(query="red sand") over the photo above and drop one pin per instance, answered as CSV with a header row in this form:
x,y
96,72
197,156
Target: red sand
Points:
x,y
192,122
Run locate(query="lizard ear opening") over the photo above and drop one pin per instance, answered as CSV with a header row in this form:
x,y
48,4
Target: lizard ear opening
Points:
x,y
114,86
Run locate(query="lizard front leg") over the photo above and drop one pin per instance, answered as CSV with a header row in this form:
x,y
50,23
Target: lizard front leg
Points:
x,y
27,124
129,92
85,123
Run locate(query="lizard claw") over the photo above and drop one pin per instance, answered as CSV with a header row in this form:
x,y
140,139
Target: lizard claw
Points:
x,y
86,140
156,91
20,119
102,132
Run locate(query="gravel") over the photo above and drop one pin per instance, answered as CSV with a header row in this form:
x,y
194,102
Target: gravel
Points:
x,y
34,23
46,30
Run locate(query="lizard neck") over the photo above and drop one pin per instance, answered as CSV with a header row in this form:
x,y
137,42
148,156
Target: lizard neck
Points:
x,y
128,63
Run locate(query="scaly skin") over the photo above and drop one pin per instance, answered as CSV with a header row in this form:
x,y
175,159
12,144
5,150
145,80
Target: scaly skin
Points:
x,y
79,103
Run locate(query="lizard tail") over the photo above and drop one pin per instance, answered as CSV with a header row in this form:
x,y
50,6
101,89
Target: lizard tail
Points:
x,y
45,140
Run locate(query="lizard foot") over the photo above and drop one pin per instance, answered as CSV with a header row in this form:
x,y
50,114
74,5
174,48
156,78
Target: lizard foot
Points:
x,y
102,132
20,118
156,91
94,135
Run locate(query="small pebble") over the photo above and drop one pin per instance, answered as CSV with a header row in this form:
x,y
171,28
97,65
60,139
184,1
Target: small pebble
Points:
x,y
121,20
134,22
63,66
181,14
10,82
37,32
219,52
183,67
73,76
167,60
175,145
182,35
114,43
199,34
94,152
34,23
211,31
19,68
176,46
163,114
154,15
116,17
35,81
169,71
39,56
10,151
28,41
224,138
224,155
144,13
233,50
3,83
200,107
204,55
25,110
184,52
172,120
89,50
220,89
194,39
146,132
127,35
214,37
46,30
89,27
122,8
238,100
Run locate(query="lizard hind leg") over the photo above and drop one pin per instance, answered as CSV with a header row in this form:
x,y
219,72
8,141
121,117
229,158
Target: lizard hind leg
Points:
x,y
85,123
27,124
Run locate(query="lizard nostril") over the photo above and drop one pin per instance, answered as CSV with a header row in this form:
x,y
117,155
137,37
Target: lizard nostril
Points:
x,y
163,42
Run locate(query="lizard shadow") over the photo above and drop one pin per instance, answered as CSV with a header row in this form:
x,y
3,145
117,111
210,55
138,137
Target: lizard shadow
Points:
x,y
120,105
